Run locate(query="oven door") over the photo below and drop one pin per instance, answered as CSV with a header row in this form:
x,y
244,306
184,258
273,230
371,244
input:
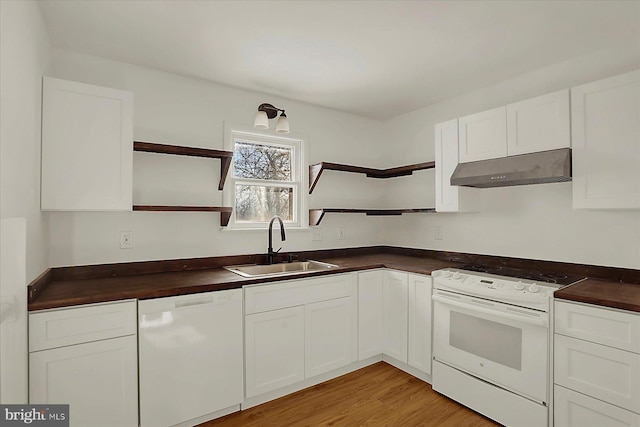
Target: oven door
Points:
x,y
499,343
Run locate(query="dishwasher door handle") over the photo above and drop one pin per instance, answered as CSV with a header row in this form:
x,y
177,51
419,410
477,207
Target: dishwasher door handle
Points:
x,y
538,321
193,302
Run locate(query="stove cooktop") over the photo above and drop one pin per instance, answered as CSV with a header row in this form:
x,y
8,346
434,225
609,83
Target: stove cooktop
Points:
x,y
538,276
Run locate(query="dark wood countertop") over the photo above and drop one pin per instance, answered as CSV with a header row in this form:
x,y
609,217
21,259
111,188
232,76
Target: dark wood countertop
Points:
x,y
625,296
69,286
65,293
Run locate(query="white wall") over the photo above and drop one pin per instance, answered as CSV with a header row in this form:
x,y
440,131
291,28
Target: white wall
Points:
x,y
24,58
528,221
178,110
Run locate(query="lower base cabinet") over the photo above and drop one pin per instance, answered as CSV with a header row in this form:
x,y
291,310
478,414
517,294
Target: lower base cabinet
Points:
x,y
329,330
87,357
274,344
298,329
573,409
98,381
394,317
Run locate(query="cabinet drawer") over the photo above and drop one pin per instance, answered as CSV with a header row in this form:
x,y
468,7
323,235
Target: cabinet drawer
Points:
x,y
68,326
604,326
573,409
259,298
603,372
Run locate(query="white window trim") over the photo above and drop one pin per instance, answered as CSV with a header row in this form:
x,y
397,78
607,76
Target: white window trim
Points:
x,y
232,131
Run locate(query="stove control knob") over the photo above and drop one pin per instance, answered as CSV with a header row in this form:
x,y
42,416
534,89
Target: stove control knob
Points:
x,y
534,288
456,275
447,273
518,286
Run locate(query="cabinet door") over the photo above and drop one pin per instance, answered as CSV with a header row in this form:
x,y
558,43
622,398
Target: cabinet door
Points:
x,y
605,125
98,380
274,349
539,124
603,372
573,409
329,335
395,308
450,198
420,322
370,314
87,147
483,135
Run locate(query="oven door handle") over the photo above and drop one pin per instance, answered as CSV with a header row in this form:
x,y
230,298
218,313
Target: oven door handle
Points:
x,y
511,316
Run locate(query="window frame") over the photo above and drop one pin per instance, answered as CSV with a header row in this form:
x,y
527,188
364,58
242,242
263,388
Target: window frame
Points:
x,y
299,181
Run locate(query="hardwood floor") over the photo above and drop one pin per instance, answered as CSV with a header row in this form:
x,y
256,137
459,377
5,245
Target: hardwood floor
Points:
x,y
378,395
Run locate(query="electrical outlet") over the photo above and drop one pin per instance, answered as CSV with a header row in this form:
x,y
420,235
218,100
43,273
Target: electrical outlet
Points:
x,y
341,233
126,239
437,232
317,234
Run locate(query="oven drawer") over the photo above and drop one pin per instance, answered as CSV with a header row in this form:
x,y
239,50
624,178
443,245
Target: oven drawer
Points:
x,y
600,325
574,409
603,372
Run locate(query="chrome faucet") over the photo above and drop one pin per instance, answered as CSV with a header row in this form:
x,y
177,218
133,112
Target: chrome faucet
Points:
x,y
283,237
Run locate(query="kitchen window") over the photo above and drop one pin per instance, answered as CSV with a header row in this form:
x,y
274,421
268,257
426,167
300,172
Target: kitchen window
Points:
x,y
265,180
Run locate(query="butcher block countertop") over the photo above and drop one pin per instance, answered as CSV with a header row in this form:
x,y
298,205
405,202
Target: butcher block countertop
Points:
x,y
625,296
70,286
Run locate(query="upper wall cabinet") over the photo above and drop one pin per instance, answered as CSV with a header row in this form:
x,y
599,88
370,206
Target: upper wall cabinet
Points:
x,y
483,135
529,126
539,124
451,198
605,124
87,147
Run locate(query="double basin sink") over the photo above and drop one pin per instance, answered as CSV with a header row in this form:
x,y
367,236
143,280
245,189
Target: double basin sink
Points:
x,y
281,269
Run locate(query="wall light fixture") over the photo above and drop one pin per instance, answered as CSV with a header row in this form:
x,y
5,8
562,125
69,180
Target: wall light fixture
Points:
x,y
268,111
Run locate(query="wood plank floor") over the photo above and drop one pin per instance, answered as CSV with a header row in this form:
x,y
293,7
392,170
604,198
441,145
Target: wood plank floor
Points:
x,y
378,395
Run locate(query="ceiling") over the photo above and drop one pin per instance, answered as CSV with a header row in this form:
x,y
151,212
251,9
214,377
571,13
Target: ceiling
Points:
x,y
373,58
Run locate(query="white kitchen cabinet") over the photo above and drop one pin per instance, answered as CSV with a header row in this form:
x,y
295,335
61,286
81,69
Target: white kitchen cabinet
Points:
x,y
329,335
451,198
419,333
298,329
573,409
190,357
394,317
86,357
274,345
87,147
395,297
483,135
539,124
588,362
605,125
370,314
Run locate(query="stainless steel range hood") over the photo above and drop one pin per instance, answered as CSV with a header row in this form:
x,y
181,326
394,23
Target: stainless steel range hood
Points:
x,y
534,168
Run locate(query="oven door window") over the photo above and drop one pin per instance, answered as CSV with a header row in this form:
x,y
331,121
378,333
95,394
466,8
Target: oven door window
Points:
x,y
493,341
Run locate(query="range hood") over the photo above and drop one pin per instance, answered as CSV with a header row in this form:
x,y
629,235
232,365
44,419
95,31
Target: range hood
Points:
x,y
534,168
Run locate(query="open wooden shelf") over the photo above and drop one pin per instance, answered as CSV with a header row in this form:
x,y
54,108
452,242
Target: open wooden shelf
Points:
x,y
316,215
316,170
225,212
224,156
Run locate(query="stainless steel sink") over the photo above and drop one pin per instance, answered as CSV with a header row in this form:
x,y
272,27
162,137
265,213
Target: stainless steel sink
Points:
x,y
283,269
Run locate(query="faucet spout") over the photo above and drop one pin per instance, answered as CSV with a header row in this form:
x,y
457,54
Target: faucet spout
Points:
x,y
283,237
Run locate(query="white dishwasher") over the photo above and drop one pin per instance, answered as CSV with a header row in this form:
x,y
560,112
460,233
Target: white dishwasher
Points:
x,y
191,357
